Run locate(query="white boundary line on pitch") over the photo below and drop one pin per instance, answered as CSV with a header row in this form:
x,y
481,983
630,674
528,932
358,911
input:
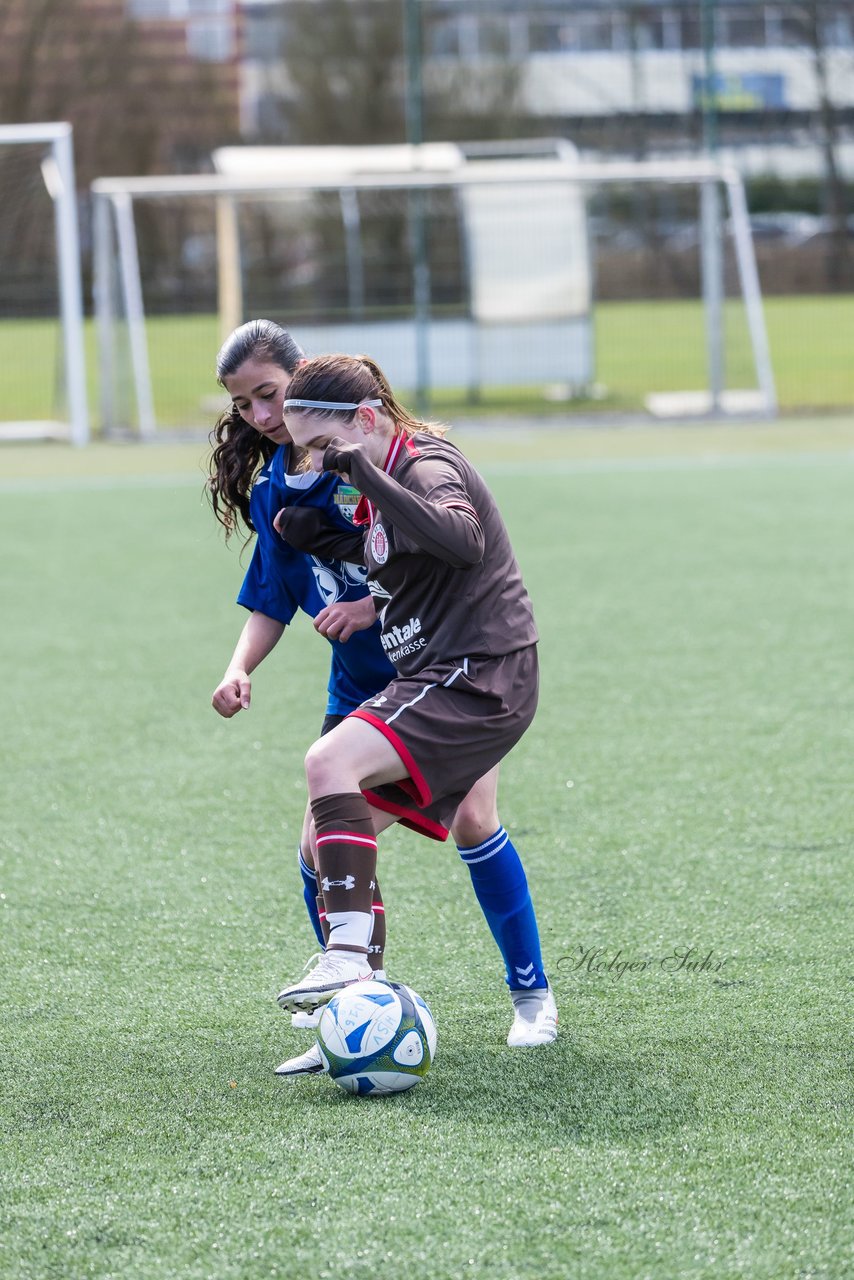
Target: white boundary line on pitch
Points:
x,y
685,462
524,467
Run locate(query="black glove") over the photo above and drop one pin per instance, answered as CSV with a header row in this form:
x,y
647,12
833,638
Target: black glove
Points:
x,y
308,529
338,453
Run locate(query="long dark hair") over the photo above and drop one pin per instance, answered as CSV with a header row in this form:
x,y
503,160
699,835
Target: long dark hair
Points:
x,y
353,379
238,450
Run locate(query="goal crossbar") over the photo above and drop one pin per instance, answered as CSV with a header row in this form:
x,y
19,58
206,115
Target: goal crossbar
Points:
x,y
113,199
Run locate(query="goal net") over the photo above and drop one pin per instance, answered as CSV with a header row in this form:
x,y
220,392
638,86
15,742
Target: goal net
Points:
x,y
42,364
500,273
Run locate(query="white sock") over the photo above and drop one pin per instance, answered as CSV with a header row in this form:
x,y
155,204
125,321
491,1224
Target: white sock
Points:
x,y
349,929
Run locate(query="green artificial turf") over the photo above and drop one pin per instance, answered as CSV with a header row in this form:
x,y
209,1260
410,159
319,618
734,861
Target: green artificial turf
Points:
x,y
686,784
641,347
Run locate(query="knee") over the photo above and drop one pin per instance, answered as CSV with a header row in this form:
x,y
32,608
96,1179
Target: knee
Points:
x,y
317,765
474,823
327,769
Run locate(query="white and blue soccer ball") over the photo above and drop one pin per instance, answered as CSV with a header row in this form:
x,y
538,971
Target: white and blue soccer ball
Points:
x,y
377,1038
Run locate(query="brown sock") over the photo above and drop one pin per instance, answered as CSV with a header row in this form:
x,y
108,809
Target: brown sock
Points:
x,y
376,952
346,866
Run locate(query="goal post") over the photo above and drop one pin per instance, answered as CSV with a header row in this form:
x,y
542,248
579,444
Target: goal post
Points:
x,y
53,142
518,294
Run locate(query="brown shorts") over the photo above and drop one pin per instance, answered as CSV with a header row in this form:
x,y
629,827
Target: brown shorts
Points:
x,y
450,724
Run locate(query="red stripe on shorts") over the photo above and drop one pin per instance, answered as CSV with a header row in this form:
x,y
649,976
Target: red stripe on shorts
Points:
x,y
419,789
408,817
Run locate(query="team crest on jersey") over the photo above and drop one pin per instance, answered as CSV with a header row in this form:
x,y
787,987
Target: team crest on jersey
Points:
x,y
379,543
346,500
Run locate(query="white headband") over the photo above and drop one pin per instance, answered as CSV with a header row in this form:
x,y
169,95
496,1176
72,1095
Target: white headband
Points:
x,y
329,404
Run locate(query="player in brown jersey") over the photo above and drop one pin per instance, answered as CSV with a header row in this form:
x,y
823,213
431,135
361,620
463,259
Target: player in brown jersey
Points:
x,y
457,625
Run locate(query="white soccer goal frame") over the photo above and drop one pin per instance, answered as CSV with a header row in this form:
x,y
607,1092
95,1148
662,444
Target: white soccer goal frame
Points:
x,y
58,174
113,200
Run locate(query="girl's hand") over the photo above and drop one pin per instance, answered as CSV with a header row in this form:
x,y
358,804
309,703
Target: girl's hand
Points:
x,y
233,693
337,455
339,621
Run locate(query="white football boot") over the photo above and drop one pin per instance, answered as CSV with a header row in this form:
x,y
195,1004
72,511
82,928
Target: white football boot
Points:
x,y
303,1021
309,1063
334,970
534,1018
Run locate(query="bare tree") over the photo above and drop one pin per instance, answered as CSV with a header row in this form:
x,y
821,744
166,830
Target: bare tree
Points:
x,y
839,262
344,79
85,61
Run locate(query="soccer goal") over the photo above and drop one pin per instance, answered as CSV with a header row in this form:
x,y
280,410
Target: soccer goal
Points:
x,y
42,359
474,269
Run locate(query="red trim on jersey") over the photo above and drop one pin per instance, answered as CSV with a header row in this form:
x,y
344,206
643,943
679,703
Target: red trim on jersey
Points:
x,y
408,817
416,784
365,509
362,514
394,448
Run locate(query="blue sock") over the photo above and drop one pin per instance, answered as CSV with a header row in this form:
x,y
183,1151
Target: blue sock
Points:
x,y
309,892
498,880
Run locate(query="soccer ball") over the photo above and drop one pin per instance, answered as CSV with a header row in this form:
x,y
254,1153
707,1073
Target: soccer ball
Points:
x,y
377,1038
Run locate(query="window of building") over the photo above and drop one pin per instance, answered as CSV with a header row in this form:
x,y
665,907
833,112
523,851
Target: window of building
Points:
x,y
741,29
691,30
493,37
442,38
156,10
176,10
547,34
838,28
671,29
783,29
210,39
264,34
206,8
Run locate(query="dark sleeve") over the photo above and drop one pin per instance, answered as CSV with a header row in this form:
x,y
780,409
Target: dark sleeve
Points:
x,y
444,524
307,529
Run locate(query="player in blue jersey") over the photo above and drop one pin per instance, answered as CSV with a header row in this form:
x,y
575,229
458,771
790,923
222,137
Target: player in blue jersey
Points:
x,y
255,474
256,478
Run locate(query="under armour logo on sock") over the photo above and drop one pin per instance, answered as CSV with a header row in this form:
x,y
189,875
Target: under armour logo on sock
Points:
x,y
349,882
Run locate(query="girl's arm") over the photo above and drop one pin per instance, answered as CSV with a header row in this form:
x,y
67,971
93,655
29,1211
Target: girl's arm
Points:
x,y
447,529
259,637
309,529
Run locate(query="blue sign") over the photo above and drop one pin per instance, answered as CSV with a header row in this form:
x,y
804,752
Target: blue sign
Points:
x,y
741,91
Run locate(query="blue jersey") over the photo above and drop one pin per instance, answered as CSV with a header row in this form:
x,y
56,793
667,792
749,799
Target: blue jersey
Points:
x,y
280,579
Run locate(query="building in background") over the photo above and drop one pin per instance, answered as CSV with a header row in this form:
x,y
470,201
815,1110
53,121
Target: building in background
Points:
x,y
612,75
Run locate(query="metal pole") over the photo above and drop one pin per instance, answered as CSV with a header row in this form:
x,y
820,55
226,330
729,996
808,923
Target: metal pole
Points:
x,y
749,276
710,221
353,244
229,275
105,309
417,207
132,290
70,288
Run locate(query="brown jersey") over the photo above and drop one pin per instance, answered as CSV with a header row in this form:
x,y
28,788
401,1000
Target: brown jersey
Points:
x,y
440,565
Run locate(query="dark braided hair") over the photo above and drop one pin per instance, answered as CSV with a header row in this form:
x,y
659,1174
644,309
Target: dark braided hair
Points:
x,y
238,450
